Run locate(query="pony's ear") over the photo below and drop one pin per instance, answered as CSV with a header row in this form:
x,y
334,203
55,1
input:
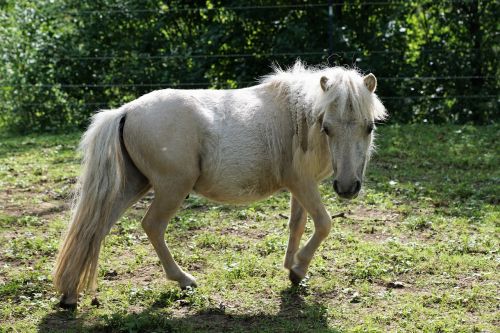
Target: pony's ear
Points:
x,y
323,82
370,82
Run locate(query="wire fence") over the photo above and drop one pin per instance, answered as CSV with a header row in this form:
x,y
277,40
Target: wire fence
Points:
x,y
167,85
324,54
240,83
194,85
400,98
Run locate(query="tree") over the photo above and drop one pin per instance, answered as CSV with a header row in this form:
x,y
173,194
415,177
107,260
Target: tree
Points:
x,y
436,61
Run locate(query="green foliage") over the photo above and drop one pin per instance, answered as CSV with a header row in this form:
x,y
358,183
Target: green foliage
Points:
x,y
62,60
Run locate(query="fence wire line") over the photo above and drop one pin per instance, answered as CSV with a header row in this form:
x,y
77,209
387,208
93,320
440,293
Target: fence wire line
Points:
x,y
127,85
484,97
248,55
188,56
164,9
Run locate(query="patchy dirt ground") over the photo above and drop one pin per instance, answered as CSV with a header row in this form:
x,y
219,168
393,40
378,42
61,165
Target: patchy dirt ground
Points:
x,y
417,252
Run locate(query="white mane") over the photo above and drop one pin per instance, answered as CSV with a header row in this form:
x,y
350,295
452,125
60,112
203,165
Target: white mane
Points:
x,y
301,84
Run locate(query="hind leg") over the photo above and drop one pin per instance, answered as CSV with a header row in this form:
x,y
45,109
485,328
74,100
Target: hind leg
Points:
x,y
136,185
168,199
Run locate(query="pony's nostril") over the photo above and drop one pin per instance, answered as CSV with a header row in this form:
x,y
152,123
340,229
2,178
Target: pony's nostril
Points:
x,y
336,186
347,192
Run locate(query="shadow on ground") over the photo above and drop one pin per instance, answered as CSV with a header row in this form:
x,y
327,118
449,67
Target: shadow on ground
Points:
x,y
294,315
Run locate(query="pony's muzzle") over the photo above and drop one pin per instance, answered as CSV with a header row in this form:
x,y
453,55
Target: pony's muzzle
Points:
x,y
348,191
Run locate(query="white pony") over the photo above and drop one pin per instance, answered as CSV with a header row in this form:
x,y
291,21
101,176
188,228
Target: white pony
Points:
x,y
233,146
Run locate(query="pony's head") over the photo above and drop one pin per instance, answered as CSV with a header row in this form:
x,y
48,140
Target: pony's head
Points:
x,y
348,109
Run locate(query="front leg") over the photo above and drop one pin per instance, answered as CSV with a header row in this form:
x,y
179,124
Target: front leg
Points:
x,y
308,195
297,224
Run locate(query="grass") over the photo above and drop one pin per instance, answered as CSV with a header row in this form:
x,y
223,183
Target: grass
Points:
x,y
418,251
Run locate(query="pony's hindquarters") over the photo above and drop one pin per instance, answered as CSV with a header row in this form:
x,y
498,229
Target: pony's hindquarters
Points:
x,y
109,183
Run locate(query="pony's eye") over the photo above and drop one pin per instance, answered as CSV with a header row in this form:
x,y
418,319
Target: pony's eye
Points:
x,y
325,130
370,128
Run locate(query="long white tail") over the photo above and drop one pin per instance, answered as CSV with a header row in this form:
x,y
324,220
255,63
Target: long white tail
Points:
x,y
99,185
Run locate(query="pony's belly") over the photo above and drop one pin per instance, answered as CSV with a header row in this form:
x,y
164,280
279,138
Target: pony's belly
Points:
x,y
242,198
235,193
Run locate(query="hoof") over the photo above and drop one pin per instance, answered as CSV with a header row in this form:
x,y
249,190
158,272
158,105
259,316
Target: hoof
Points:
x,y
64,304
192,285
187,282
67,306
294,278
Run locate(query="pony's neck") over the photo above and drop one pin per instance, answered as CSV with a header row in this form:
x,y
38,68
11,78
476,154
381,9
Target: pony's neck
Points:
x,y
301,110
303,116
